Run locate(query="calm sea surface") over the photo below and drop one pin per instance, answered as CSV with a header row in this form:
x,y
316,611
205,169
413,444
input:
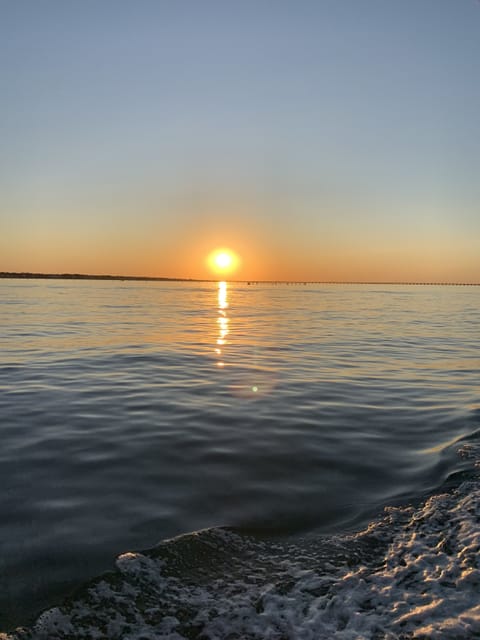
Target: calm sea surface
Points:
x,y
132,412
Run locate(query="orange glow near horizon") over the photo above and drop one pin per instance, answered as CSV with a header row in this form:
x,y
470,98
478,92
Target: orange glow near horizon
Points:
x,y
235,248
223,261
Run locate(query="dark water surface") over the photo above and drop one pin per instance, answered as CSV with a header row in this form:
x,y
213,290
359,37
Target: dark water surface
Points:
x,y
134,412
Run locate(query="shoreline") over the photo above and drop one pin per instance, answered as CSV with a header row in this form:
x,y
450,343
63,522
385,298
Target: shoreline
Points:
x,y
85,276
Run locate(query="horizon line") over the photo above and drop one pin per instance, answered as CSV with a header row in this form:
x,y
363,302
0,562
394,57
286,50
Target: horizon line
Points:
x,y
86,276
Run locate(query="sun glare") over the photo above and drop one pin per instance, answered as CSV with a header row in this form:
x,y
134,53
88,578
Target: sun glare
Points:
x,y
223,261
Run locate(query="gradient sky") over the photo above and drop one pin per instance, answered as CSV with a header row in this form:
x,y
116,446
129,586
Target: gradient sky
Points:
x,y
321,140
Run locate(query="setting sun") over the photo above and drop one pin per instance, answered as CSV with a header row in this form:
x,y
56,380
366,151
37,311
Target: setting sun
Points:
x,y
223,261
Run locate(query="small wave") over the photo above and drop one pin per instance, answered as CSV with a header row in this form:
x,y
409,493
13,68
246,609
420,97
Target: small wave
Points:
x,y
414,573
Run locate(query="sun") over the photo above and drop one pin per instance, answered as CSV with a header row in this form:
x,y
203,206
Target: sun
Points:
x,y
223,261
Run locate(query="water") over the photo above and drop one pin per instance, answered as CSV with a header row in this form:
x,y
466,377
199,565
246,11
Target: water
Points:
x,y
134,412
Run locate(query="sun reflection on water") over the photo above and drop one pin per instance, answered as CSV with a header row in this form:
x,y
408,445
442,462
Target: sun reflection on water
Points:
x,y
222,320
250,380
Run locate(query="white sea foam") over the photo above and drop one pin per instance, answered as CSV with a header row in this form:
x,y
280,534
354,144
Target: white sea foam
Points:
x,y
413,574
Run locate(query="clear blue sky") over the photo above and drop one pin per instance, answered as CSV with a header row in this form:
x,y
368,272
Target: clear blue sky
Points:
x,y
320,139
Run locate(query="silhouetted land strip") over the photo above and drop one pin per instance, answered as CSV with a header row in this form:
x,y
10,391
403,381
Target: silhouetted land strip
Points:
x,y
85,276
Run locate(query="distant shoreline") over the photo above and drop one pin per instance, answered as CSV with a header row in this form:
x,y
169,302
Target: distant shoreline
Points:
x,y
84,276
